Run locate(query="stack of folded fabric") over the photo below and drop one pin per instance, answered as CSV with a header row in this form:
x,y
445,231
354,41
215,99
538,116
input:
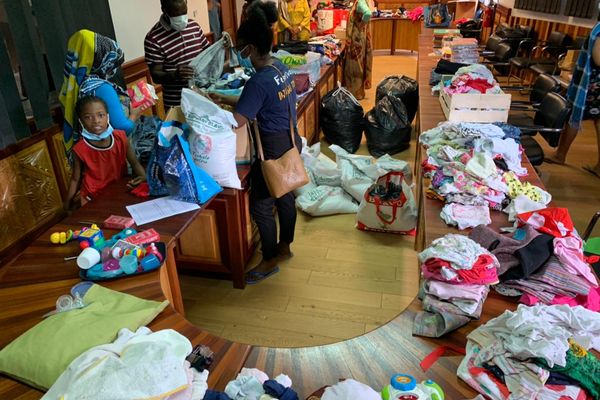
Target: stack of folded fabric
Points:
x,y
475,166
537,352
544,261
465,51
457,272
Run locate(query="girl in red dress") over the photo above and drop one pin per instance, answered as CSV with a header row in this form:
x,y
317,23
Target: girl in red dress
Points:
x,y
101,154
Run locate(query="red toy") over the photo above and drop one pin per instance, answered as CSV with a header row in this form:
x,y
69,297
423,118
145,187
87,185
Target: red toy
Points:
x,y
117,222
147,236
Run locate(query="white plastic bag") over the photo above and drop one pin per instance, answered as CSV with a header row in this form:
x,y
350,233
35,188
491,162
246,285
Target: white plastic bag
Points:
x,y
326,200
212,139
378,212
360,172
324,170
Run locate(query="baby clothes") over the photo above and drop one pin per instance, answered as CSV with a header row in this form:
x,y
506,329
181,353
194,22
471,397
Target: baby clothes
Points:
x,y
458,250
350,389
569,251
465,216
552,221
516,187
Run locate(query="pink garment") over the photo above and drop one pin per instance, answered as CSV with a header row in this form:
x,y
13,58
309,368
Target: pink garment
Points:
x,y
591,301
569,251
483,272
447,291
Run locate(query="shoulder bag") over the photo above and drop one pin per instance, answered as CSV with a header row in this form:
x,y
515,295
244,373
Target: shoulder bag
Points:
x,y
287,172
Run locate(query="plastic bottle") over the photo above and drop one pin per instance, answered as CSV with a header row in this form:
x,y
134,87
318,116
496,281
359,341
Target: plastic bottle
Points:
x,y
405,387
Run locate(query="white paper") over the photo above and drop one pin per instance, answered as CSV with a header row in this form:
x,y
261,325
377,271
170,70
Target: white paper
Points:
x,y
161,208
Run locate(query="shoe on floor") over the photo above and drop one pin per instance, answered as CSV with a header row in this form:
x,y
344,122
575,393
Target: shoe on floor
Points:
x,y
253,277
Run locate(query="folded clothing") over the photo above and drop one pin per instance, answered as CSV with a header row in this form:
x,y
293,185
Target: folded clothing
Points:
x,y
482,272
458,250
552,221
465,216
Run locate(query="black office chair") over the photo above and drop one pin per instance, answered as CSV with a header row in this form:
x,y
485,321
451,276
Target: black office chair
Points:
x,y
549,121
554,68
544,57
542,85
499,63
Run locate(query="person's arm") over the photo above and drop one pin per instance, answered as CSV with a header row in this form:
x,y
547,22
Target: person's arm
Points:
x,y
74,184
137,168
364,10
283,23
596,52
118,118
230,101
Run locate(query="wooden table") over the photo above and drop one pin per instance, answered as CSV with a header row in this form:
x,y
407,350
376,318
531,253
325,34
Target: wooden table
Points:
x,y
30,285
395,33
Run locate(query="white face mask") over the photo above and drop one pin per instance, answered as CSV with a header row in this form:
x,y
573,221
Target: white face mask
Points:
x,y
179,23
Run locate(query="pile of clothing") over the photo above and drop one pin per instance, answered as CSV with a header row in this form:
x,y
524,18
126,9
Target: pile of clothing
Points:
x,y
415,14
457,273
465,51
327,45
475,79
538,352
476,167
543,262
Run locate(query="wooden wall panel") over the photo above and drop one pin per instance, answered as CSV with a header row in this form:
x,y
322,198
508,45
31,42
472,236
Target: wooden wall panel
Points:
x,y
29,192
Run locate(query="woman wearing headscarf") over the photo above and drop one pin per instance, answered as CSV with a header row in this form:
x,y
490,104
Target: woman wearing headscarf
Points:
x,y
92,59
294,20
358,61
584,96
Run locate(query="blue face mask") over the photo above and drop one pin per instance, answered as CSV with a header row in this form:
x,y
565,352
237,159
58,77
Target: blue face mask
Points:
x,y
95,138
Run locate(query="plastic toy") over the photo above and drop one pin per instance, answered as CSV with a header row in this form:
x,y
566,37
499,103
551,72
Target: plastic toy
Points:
x,y
92,236
88,258
150,262
123,248
147,236
124,234
129,264
111,265
152,249
405,387
61,237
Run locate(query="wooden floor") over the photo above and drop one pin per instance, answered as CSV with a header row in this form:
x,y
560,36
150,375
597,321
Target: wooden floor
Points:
x,y
341,282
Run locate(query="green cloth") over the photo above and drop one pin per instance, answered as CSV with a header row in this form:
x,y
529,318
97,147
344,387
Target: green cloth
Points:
x,y
592,246
41,354
582,366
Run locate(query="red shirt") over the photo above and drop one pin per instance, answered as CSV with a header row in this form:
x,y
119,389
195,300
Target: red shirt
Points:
x,y
101,166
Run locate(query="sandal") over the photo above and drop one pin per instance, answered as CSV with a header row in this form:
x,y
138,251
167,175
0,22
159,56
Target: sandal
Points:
x,y
253,277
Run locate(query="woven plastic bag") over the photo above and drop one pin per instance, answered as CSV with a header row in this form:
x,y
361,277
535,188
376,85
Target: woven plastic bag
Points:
x,y
388,206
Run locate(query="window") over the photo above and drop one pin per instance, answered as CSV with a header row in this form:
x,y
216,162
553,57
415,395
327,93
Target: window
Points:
x,y
581,8
572,8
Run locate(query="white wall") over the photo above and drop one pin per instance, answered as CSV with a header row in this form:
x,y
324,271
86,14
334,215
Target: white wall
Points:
x,y
588,23
134,18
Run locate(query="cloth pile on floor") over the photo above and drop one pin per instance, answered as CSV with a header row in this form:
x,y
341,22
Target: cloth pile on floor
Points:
x,y
337,187
457,273
474,167
146,364
537,352
543,262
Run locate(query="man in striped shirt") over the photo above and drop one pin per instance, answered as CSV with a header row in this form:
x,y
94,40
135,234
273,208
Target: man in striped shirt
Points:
x,y
170,46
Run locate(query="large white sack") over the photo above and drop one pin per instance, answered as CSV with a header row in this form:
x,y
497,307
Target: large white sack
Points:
x,y
360,172
326,200
325,171
212,139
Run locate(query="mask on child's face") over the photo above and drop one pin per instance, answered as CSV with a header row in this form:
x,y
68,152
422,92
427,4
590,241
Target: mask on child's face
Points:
x,y
179,23
93,137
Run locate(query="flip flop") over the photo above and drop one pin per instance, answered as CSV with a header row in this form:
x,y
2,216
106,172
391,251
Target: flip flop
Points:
x,y
253,277
591,170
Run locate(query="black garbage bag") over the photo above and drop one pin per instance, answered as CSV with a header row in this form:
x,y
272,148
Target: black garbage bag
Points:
x,y
341,119
387,127
403,87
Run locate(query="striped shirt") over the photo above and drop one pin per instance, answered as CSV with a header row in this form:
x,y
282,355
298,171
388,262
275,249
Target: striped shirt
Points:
x,y
164,45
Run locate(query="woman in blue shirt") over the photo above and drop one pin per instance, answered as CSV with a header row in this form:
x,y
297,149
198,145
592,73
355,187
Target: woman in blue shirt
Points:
x,y
270,98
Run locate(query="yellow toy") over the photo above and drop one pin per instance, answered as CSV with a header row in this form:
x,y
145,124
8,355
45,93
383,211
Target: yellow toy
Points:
x,y
61,237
